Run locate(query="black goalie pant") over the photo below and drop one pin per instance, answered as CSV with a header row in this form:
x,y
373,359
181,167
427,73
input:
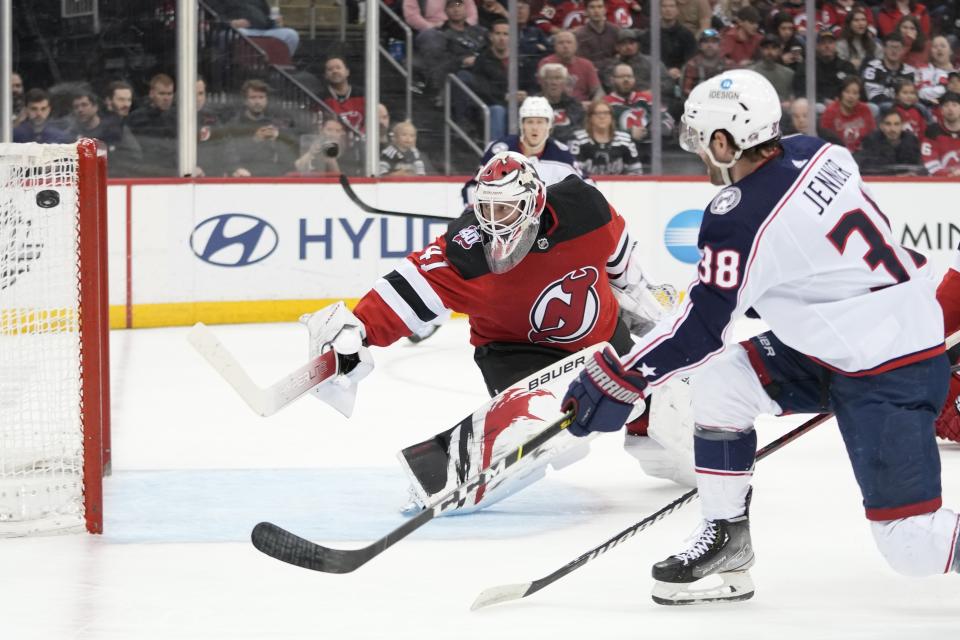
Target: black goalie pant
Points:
x,y
504,363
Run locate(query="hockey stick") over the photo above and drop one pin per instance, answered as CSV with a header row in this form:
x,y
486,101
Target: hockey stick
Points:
x,y
508,592
269,400
279,543
348,189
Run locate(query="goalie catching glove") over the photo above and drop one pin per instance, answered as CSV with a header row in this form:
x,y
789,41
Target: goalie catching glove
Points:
x,y
603,395
335,327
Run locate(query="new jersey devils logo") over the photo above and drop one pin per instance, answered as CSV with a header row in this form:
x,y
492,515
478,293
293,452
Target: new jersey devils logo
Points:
x,y
568,309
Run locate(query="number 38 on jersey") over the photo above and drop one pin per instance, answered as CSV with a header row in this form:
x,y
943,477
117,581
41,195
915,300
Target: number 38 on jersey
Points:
x,y
720,268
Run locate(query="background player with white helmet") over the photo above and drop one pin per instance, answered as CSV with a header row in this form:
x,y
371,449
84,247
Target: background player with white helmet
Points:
x,y
856,330
535,269
552,158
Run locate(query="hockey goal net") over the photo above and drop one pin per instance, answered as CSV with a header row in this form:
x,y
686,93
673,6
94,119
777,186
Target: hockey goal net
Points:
x,y
54,358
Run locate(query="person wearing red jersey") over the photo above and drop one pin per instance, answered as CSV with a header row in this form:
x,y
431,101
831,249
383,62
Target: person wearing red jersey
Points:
x,y
906,103
343,98
560,15
948,295
849,117
940,146
542,272
893,10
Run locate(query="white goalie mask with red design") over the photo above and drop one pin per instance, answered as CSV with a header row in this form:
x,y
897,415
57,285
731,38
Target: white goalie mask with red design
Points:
x,y
509,200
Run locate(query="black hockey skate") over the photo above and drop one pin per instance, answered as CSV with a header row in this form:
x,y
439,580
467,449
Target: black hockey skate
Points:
x,y
722,550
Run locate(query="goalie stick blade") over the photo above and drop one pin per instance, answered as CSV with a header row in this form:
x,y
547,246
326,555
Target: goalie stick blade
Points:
x,y
501,594
263,401
279,543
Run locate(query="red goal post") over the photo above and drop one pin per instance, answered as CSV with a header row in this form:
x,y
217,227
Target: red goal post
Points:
x,y
54,338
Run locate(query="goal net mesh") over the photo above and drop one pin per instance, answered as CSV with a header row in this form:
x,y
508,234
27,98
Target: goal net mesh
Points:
x,y
41,426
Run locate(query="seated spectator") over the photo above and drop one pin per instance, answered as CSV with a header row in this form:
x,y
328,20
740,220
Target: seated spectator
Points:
x,y
953,82
739,43
857,44
633,111
915,118
628,52
694,15
123,150
252,18
449,48
915,44
791,47
559,15
402,158
622,12
769,67
941,144
707,63
932,78
892,11
797,119
597,38
430,14
488,79
343,98
831,71
155,126
119,99
328,153
488,11
210,136
260,141
567,110
37,127
16,94
601,149
677,43
534,43
890,149
849,118
383,116
836,13
585,83
881,74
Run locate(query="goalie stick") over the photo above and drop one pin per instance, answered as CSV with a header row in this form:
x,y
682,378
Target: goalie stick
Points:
x,y
264,400
348,189
508,592
279,543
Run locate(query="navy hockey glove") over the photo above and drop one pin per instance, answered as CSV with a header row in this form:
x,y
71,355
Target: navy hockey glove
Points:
x,y
603,395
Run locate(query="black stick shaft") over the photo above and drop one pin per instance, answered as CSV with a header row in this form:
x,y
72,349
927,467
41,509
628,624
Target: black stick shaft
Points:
x,y
348,189
629,532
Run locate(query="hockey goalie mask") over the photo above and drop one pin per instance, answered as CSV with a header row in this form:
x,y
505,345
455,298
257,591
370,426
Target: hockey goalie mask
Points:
x,y
509,200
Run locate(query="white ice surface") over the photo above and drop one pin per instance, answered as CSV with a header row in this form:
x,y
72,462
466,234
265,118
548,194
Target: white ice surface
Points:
x,y
195,469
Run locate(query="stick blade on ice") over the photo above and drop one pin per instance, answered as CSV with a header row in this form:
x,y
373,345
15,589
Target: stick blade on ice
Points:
x,y
500,594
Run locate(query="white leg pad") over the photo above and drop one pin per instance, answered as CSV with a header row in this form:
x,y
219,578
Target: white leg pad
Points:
x,y
921,545
727,393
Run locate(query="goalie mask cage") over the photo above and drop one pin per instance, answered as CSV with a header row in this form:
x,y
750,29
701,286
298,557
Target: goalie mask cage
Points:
x,y
54,354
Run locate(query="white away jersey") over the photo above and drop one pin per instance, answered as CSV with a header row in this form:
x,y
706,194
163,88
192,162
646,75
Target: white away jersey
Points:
x,y
801,242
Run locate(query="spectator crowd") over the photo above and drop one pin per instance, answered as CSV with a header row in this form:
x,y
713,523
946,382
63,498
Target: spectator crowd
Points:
x,y
887,85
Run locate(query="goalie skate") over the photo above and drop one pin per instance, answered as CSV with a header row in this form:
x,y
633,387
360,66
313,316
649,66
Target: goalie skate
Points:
x,y
713,569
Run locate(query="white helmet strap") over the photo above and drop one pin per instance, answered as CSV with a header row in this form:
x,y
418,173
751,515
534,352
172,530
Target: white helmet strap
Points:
x,y
724,166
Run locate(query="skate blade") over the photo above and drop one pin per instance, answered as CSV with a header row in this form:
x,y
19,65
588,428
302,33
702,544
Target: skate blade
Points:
x,y
735,586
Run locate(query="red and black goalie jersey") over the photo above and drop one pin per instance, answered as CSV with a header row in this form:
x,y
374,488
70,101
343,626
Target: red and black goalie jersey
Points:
x,y
558,295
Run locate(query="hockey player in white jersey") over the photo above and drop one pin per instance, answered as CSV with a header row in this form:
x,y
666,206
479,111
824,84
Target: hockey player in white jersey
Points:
x,y
855,329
